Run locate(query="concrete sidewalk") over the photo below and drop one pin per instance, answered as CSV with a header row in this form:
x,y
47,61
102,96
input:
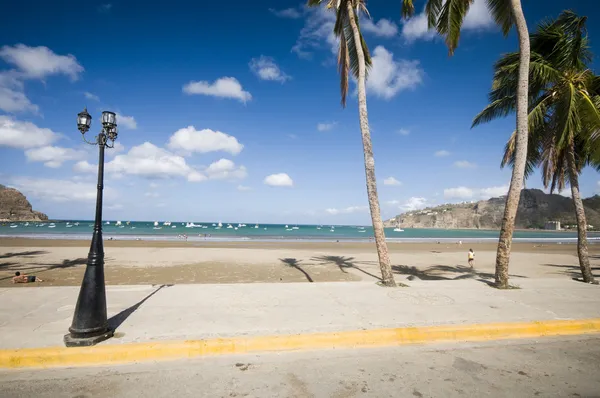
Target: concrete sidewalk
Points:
x,y
40,316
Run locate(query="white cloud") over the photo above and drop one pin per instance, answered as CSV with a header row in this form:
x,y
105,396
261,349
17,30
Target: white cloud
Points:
x,y
279,180
388,77
53,156
327,126
224,87
151,194
203,141
117,148
17,134
391,181
458,193
383,27
477,18
39,62
404,132
441,153
317,33
493,192
464,164
128,122
414,203
84,166
347,210
15,101
243,188
149,161
291,13
266,69
59,190
153,185
91,96
225,169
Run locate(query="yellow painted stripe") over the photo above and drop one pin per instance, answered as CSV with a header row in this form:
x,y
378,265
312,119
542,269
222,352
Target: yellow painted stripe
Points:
x,y
164,350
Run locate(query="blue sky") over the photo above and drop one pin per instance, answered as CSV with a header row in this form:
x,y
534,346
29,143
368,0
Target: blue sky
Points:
x,y
236,116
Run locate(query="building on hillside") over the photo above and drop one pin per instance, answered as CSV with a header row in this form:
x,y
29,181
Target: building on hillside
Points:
x,y
552,225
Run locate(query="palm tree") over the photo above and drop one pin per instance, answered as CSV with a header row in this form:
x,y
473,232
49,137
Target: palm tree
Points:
x,y
564,111
353,55
447,17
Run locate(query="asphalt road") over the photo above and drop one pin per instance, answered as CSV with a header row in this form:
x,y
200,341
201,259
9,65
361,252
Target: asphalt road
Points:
x,y
553,367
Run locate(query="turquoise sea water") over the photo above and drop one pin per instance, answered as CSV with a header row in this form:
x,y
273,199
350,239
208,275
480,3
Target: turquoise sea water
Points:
x,y
144,230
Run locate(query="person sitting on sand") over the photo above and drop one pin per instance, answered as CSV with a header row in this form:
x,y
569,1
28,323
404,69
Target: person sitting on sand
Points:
x,y
18,278
471,257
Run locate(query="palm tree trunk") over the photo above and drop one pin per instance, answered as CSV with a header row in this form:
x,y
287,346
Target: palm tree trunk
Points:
x,y
518,173
582,243
382,250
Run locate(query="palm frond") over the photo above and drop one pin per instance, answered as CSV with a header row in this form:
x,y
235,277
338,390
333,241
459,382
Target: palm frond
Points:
x,y
502,12
565,114
432,11
408,9
500,108
450,20
314,3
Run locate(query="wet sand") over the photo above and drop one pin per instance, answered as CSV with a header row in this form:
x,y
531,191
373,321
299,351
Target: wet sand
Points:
x,y
62,262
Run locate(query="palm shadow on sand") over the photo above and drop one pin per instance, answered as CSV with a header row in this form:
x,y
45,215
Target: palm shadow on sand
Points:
x,y
343,263
294,263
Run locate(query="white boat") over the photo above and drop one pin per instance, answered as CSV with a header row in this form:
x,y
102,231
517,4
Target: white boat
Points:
x,y
296,227
167,223
41,225
229,226
362,230
286,226
219,224
256,226
190,225
118,223
318,227
332,230
289,229
77,224
243,225
236,228
239,226
51,226
26,224
157,228
69,226
14,226
173,226
265,228
214,225
128,222
108,223
156,223
398,230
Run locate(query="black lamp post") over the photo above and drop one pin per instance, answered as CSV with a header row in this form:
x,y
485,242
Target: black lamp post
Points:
x,y
90,324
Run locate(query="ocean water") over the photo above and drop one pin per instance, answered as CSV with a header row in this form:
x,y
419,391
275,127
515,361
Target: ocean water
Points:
x,y
200,231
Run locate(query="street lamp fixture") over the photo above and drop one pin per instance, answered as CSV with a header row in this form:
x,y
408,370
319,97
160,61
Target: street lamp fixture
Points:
x,y
90,323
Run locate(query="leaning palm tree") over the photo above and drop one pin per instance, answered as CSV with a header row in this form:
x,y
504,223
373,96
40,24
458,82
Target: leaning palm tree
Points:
x,y
564,112
353,56
447,17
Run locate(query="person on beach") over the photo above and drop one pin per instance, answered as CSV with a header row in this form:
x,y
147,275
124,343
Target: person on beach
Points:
x,y
471,257
18,278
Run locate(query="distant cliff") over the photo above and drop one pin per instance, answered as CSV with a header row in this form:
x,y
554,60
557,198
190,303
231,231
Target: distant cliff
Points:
x,y
535,208
14,206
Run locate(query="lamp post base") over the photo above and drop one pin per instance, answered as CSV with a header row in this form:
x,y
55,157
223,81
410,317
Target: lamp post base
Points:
x,y
71,341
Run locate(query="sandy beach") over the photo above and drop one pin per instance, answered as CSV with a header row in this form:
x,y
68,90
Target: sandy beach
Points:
x,y
61,262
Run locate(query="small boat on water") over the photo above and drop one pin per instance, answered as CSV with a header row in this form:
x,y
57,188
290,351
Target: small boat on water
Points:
x,y
69,226
108,223
14,226
286,226
219,225
236,228
26,224
157,228
77,224
398,230
229,226
156,223
296,227
51,226
256,226
167,223
118,223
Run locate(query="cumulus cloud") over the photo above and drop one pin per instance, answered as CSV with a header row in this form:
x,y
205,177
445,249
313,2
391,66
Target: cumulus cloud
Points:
x,y
291,13
266,69
18,134
383,27
128,122
477,18
243,188
403,131
224,87
30,63
39,62
117,148
493,192
327,126
391,181
388,77
464,164
225,169
441,153
149,161
53,156
279,180
203,141
414,203
55,190
347,210
83,166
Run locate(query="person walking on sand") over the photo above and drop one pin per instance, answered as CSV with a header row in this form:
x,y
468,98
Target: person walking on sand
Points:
x,y
471,257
